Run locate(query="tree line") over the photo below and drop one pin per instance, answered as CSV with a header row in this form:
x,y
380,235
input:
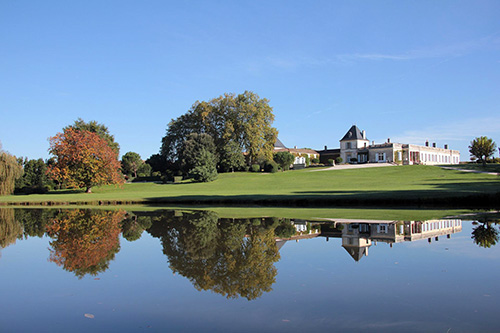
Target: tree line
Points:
x,y
225,134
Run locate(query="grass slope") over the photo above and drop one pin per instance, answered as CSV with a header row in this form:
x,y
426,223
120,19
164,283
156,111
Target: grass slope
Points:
x,y
393,184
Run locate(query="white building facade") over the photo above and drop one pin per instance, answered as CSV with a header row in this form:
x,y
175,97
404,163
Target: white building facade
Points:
x,y
355,148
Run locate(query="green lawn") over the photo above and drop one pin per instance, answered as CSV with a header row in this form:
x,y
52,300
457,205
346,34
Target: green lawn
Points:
x,y
388,183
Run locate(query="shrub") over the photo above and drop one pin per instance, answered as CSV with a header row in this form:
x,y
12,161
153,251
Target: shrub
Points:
x,y
339,160
315,161
255,168
330,161
271,166
284,159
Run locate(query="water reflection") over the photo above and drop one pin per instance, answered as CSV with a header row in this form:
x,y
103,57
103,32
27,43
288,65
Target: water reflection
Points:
x,y
10,229
485,234
85,241
229,256
234,258
358,236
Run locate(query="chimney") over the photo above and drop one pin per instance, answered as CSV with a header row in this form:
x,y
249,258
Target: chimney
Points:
x,y
364,134
427,143
294,147
388,140
433,145
326,148
373,143
445,146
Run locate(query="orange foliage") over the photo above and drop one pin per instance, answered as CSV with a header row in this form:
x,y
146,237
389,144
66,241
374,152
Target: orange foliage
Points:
x,y
85,240
83,159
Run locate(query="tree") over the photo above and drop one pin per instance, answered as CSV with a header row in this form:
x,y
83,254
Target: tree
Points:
x,y
482,148
205,167
83,159
144,170
284,159
131,163
34,178
157,162
232,158
94,127
10,170
245,119
198,157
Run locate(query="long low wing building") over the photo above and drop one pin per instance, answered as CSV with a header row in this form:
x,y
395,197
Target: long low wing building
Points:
x,y
356,148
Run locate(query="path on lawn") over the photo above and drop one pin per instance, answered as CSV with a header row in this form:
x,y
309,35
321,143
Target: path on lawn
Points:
x,y
355,166
473,171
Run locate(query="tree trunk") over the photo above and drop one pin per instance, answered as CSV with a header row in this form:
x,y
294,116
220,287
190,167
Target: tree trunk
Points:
x,y
89,190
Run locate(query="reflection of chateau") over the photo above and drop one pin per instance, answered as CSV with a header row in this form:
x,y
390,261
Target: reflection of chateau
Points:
x,y
357,236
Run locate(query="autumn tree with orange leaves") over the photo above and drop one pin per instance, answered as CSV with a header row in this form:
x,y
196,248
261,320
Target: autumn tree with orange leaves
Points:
x,y
83,159
85,241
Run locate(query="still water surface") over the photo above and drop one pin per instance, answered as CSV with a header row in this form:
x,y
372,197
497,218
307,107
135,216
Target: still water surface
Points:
x,y
90,270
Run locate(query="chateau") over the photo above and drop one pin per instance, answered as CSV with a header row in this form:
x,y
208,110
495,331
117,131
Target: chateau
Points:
x,y
356,148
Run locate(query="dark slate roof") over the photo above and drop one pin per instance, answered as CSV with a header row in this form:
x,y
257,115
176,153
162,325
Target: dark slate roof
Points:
x,y
280,243
353,134
329,151
355,252
279,144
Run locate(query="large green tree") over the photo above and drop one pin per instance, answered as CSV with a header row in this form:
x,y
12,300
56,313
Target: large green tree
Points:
x,y
10,170
245,119
100,129
482,148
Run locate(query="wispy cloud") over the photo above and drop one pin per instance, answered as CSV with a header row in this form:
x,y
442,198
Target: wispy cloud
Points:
x,y
462,130
289,62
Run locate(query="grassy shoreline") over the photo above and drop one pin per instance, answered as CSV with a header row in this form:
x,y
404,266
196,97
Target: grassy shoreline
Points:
x,y
401,186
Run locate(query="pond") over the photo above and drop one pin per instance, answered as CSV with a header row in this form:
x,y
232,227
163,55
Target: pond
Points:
x,y
84,270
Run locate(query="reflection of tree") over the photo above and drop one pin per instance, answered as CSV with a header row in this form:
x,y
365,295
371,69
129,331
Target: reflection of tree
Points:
x,y
485,234
10,229
133,227
85,241
34,221
285,229
231,257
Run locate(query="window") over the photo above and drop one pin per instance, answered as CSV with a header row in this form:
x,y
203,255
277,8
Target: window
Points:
x,y
348,145
382,228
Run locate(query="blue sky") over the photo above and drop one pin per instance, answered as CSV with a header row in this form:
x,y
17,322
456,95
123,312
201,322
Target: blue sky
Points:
x,y
406,70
